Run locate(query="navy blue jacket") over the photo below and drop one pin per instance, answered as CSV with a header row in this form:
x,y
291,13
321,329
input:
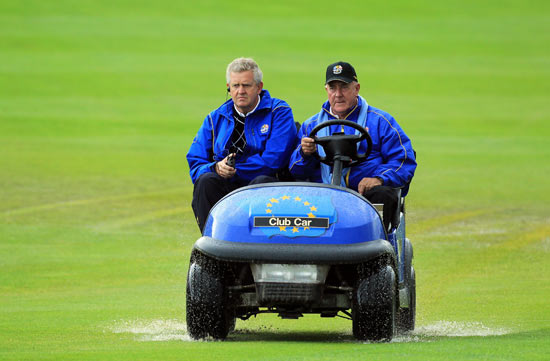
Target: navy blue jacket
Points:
x,y
270,136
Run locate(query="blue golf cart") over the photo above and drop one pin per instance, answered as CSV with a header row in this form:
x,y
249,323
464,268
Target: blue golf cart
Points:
x,y
295,248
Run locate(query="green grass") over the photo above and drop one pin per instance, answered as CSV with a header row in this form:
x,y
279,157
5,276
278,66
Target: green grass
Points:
x,y
99,101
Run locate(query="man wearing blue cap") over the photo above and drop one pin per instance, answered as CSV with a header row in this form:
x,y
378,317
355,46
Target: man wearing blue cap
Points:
x,y
392,161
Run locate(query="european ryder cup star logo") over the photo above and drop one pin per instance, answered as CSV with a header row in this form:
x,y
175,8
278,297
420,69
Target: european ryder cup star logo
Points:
x,y
303,223
293,216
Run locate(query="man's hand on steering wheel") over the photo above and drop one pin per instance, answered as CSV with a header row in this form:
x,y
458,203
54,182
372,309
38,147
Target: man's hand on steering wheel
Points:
x,y
338,145
308,146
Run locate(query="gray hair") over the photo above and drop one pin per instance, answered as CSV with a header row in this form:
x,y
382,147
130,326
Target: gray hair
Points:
x,y
244,64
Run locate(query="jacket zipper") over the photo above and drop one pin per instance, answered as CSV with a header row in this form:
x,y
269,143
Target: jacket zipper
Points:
x,y
225,142
251,131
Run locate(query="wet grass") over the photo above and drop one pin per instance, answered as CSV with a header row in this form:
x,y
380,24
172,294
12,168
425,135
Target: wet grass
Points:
x,y
99,102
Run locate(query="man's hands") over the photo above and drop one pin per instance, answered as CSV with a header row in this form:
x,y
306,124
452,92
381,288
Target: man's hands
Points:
x,y
308,146
224,170
367,184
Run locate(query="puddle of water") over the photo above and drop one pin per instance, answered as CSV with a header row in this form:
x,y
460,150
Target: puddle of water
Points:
x,y
459,329
156,330
450,329
174,330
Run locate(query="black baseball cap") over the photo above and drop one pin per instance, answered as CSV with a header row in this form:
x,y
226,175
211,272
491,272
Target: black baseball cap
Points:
x,y
341,71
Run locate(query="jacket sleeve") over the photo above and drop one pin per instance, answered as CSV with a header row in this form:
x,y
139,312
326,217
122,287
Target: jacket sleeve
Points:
x,y
278,146
200,155
398,159
301,166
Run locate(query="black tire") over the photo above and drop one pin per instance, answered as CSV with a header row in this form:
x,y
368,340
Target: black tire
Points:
x,y
407,316
408,249
207,312
374,306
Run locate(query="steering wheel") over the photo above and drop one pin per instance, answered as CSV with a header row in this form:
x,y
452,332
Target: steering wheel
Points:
x,y
341,146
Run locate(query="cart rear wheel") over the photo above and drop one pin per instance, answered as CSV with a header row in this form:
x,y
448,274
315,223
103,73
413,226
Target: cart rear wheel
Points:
x,y
407,316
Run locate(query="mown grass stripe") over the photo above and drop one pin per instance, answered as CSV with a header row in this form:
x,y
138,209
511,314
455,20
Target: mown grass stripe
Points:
x,y
143,218
436,288
82,202
433,223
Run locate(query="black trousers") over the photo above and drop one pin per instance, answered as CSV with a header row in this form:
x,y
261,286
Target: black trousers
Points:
x,y
387,196
210,188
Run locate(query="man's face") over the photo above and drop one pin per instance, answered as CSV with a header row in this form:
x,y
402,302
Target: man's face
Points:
x,y
342,96
244,90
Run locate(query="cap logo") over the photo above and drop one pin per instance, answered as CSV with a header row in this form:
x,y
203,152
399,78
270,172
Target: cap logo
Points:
x,y
337,69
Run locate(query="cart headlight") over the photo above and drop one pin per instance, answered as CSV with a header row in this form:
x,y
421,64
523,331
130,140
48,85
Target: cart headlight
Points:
x,y
291,273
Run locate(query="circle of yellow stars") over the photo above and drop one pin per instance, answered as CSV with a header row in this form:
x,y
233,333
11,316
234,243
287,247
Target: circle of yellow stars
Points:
x,y
295,229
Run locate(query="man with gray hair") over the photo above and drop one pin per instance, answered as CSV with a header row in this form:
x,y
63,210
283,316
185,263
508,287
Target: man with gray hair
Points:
x,y
247,140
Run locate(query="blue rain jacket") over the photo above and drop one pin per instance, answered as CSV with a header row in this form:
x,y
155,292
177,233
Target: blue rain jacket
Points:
x,y
270,136
392,157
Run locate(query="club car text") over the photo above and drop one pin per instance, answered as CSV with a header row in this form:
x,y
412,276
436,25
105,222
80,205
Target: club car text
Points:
x,y
291,222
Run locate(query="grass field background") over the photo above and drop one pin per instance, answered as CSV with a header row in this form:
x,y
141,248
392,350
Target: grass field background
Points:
x,y
99,101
